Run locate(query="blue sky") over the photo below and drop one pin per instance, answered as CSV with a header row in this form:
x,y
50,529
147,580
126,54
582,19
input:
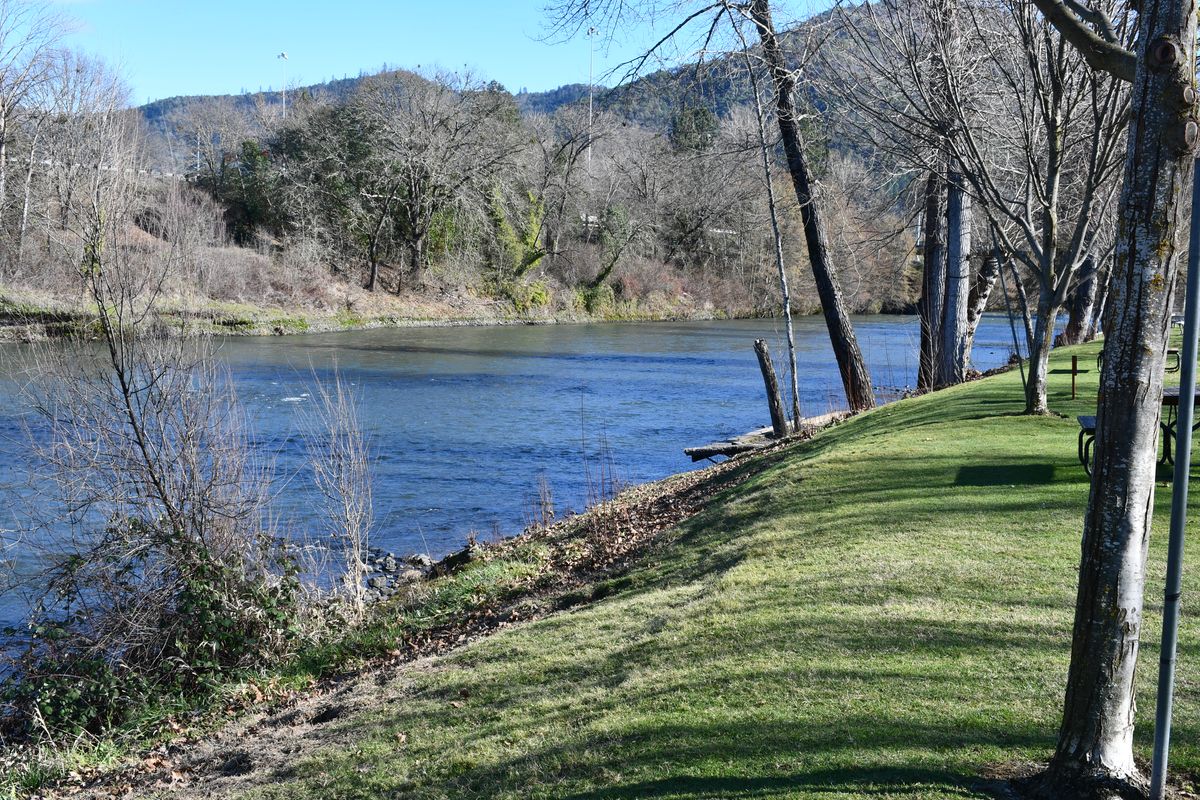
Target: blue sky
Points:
x,y
173,47
180,47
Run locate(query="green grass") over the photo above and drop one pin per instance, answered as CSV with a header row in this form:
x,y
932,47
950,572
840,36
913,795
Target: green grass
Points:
x,y
883,612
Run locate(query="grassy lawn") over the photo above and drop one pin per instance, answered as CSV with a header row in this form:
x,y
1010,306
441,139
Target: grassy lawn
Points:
x,y
884,612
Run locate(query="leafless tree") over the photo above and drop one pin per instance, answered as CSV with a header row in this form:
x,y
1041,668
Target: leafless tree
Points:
x,y
207,136
1094,754
141,445
440,140
1002,96
29,30
773,211
570,16
340,457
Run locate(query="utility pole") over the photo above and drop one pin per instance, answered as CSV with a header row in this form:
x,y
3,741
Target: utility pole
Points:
x,y
591,34
283,57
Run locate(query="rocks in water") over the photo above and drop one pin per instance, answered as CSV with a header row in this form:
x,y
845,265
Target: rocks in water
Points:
x,y
387,573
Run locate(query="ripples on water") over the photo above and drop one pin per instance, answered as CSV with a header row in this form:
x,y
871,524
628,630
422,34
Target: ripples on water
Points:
x,y
464,421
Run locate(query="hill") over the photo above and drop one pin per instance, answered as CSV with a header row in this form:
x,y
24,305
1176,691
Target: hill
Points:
x,y
649,99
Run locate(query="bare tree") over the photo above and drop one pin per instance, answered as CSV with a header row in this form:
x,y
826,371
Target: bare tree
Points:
x,y
1094,754
1035,138
856,380
776,234
441,139
28,32
340,457
142,447
207,136
570,16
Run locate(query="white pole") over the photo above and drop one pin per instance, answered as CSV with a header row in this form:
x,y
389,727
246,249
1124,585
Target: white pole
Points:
x,y
283,57
591,34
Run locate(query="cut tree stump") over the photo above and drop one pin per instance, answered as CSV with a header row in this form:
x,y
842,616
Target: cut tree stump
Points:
x,y
779,421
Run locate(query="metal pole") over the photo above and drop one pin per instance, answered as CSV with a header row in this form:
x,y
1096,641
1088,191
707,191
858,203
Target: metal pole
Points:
x,y
591,34
284,57
1179,493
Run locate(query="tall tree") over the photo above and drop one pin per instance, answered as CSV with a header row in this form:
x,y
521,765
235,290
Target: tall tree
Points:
x,y
29,30
441,138
856,380
573,15
1094,754
1036,138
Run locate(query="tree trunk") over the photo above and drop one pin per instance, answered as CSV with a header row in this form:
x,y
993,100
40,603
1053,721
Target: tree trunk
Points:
x,y
1096,326
27,197
856,380
4,113
776,233
373,275
952,367
416,256
985,282
1080,322
1023,299
1094,754
779,424
1039,354
933,283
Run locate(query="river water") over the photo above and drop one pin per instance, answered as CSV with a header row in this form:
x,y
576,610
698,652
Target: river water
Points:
x,y
466,421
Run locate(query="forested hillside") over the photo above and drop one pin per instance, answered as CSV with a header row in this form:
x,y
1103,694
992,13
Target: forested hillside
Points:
x,y
439,184
438,195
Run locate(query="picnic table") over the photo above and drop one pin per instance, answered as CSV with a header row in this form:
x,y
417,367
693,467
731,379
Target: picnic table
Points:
x,y
1171,404
1170,401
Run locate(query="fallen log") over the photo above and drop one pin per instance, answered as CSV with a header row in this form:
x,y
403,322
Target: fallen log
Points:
x,y
758,439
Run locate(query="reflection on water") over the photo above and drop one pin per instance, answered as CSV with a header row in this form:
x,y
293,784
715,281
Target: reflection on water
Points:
x,y
464,421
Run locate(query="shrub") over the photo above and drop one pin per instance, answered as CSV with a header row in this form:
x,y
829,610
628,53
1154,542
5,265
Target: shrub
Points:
x,y
599,300
526,297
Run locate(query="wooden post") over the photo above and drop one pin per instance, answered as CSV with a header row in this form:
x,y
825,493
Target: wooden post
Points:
x,y
774,400
1074,372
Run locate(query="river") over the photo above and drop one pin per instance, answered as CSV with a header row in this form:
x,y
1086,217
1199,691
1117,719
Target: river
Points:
x,y
466,421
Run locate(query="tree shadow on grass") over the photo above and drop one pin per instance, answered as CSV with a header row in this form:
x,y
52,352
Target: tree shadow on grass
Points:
x,y
898,782
1019,474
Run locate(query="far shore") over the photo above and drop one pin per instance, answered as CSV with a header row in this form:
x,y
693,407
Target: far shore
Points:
x,y
27,318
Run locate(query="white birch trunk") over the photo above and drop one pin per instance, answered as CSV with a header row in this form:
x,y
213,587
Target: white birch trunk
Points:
x,y
953,367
